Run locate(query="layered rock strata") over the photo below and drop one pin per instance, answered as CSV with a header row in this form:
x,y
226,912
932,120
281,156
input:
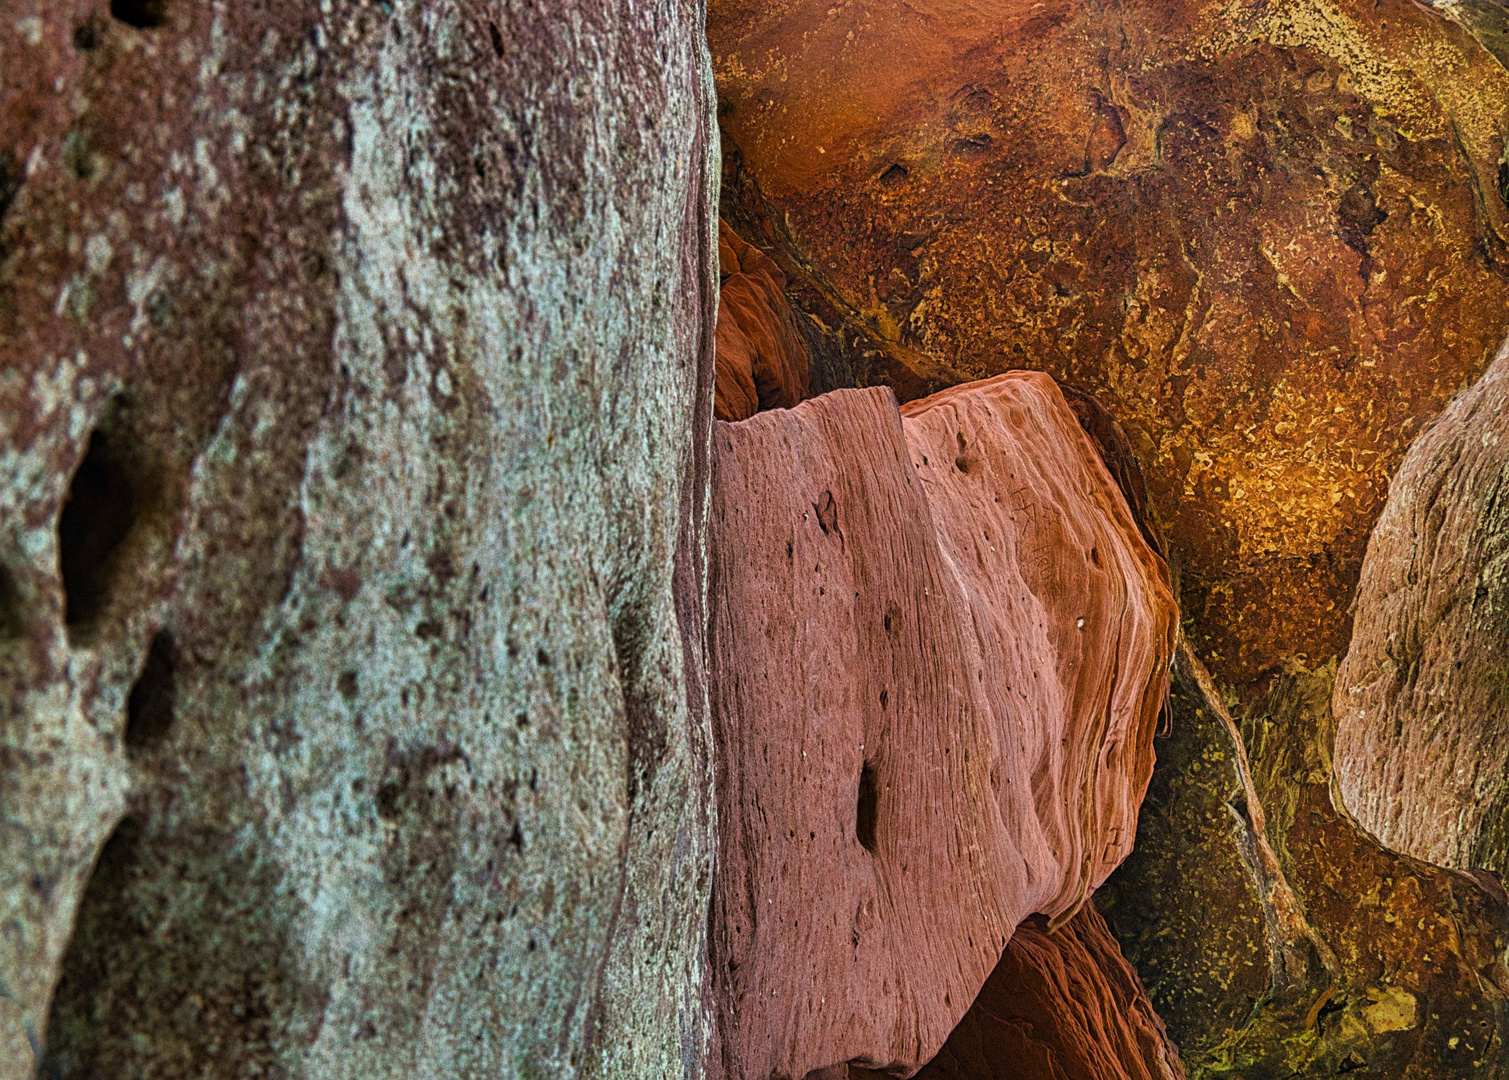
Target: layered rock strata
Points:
x,y
1061,1005
1270,238
939,645
761,356
1422,698
355,369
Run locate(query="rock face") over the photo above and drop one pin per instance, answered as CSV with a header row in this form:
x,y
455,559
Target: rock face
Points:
x,y
351,520
761,357
1422,699
1392,968
1060,1006
1270,236
939,646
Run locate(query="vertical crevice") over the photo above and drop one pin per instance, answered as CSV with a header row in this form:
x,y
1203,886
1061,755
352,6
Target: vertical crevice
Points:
x,y
12,610
867,808
102,506
1292,941
72,1051
154,698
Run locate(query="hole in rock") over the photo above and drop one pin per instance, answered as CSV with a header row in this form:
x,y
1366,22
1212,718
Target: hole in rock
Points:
x,y
86,36
12,618
11,176
867,809
101,508
154,699
143,14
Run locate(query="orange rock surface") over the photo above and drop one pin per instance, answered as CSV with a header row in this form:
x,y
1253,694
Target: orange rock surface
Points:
x,y
1270,236
1063,1005
938,648
761,358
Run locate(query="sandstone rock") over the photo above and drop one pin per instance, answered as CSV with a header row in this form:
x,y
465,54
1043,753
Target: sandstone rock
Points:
x,y
761,357
351,532
1060,1005
938,645
1269,236
1422,699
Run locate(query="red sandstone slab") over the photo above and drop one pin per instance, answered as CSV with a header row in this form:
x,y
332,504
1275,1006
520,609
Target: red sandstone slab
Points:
x,y
938,646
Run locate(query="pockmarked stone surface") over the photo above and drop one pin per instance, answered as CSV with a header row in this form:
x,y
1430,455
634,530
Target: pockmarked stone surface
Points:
x,y
1061,1005
1268,234
352,364
939,646
1422,698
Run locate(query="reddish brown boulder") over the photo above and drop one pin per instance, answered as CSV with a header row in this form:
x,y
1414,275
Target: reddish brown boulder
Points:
x,y
761,357
1422,698
1269,236
1061,1005
939,645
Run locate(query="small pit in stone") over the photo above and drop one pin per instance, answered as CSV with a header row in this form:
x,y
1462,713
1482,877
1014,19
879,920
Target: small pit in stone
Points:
x,y
102,506
86,36
867,810
142,14
154,699
12,613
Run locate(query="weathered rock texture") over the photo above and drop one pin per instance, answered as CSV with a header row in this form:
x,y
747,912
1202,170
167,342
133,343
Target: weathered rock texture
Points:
x,y
939,645
350,525
1269,235
1061,1005
1422,699
1270,238
761,357
1383,967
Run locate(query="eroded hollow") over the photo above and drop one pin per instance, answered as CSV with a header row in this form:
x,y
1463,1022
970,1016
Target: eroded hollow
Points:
x,y
143,14
102,506
12,611
867,809
154,699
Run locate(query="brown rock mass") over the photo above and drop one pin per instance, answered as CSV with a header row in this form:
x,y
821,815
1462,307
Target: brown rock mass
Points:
x,y
1396,968
939,645
1269,235
1422,698
1061,1005
761,357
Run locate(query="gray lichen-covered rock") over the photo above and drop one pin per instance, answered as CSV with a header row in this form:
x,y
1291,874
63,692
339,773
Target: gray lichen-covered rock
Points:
x,y
351,521
1422,699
